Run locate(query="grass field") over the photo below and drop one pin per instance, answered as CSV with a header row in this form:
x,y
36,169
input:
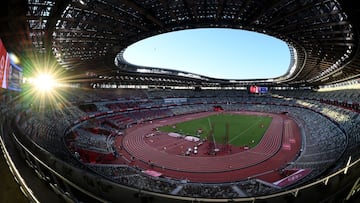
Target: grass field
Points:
x,y
243,130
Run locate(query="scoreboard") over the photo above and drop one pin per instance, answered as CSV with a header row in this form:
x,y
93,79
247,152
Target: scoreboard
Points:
x,y
253,89
15,77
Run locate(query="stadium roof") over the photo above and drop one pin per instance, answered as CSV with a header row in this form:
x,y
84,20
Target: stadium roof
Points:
x,y
87,35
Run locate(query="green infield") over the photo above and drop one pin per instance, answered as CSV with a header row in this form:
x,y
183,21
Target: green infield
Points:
x,y
242,130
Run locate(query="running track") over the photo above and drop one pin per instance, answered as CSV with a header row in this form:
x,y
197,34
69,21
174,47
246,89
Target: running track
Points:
x,y
268,156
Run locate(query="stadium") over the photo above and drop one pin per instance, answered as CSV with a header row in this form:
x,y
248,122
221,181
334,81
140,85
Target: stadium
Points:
x,y
106,130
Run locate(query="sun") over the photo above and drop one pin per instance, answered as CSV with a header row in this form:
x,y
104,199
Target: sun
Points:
x,y
44,90
44,82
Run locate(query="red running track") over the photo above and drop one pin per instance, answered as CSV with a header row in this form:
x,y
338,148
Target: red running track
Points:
x,y
268,156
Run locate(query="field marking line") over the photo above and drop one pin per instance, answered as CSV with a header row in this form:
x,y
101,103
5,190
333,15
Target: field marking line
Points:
x,y
173,145
250,127
209,123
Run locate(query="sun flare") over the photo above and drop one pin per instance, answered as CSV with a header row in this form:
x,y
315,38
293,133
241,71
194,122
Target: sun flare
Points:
x,y
44,82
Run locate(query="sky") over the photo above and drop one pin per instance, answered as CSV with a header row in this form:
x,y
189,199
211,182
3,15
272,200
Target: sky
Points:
x,y
217,53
